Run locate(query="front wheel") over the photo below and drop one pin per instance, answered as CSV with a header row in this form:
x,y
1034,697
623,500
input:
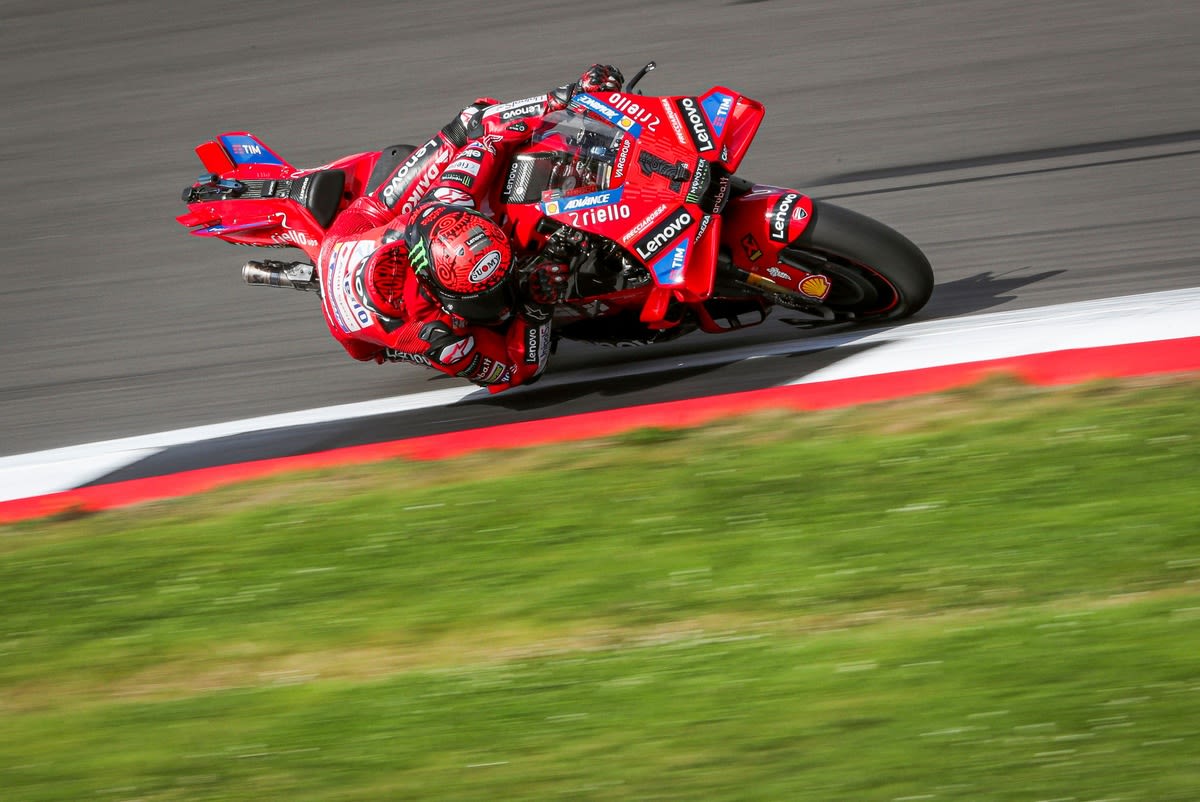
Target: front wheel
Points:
x,y
875,272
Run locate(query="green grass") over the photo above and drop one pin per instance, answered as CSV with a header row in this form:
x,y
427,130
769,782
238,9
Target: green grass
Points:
x,y
992,594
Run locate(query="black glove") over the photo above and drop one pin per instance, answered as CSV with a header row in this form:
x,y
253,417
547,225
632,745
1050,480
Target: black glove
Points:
x,y
601,78
597,78
546,284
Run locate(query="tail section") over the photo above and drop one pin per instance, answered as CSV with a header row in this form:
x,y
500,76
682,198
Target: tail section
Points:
x,y
243,153
250,195
247,149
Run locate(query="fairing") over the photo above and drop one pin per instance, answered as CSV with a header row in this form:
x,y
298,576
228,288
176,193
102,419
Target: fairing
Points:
x,y
649,173
654,175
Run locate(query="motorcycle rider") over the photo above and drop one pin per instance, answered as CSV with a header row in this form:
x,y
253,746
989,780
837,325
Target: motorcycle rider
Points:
x,y
439,291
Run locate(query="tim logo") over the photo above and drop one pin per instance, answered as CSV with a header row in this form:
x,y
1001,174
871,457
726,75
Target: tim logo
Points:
x,y
247,150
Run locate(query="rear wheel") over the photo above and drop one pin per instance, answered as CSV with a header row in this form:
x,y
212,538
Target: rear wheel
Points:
x,y
876,273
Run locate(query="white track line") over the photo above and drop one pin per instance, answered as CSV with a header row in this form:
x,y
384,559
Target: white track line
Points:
x,y
1154,316
40,472
1169,315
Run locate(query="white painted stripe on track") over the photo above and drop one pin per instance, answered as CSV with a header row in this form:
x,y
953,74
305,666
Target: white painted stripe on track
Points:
x,y
52,476
1168,315
52,471
1171,314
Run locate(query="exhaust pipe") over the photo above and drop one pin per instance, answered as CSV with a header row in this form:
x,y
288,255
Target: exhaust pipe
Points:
x,y
296,275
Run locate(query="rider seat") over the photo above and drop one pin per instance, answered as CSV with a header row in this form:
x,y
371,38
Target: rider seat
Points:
x,y
324,195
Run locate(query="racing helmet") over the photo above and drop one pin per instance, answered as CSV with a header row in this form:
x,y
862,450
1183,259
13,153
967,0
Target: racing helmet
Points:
x,y
465,260
383,279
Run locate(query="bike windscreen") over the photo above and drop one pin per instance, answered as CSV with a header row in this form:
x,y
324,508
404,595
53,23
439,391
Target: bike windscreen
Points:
x,y
622,168
572,153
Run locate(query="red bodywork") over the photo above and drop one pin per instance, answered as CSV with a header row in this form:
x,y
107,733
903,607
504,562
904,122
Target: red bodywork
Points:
x,y
664,195
263,217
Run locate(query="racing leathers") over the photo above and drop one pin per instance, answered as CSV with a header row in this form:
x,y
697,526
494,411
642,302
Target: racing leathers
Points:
x,y
459,167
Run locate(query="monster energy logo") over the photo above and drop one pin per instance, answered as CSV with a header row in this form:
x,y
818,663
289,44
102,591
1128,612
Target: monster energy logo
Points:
x,y
699,183
418,256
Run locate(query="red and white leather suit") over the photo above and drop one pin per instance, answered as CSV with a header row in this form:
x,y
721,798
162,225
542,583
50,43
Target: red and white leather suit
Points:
x,y
458,166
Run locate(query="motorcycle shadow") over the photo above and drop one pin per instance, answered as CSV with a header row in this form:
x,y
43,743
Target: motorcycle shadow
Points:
x,y
980,292
731,372
601,391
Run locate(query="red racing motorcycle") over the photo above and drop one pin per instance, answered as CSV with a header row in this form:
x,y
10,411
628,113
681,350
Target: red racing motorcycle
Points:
x,y
637,194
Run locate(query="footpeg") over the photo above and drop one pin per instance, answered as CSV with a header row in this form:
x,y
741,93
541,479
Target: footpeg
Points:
x,y
296,275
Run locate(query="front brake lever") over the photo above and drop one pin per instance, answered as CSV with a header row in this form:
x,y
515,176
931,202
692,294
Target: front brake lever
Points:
x,y
650,66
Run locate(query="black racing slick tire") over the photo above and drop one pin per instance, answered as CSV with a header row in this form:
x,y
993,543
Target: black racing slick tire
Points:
x,y
876,273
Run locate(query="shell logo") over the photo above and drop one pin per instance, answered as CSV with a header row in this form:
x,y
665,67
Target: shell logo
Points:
x,y
816,286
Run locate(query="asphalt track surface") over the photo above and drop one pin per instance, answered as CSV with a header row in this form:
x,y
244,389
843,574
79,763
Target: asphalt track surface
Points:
x,y
1039,153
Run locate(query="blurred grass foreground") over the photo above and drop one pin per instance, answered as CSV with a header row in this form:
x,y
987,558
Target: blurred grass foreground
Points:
x,y
992,594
